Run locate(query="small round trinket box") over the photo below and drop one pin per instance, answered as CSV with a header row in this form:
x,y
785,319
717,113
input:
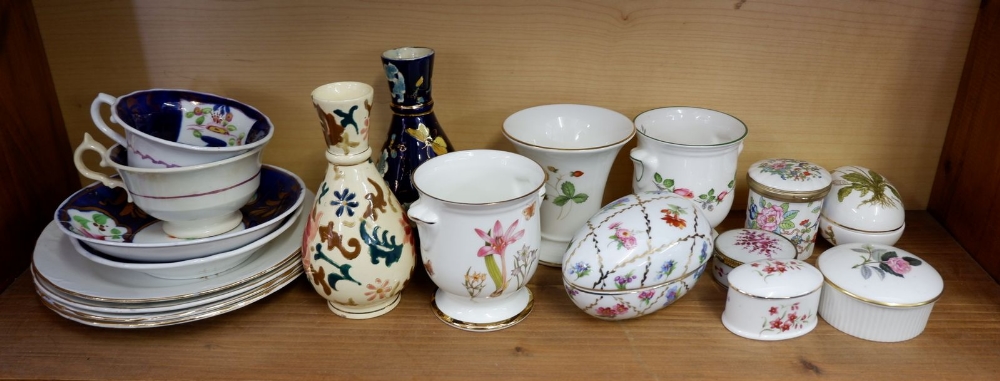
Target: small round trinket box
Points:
x,y
786,197
738,246
862,207
772,299
877,292
637,255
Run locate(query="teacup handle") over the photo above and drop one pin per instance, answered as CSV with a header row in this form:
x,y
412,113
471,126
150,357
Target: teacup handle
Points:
x,y
95,114
641,159
90,144
420,213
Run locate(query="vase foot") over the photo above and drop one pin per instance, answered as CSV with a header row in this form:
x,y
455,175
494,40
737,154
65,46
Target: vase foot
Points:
x,y
364,312
550,253
468,315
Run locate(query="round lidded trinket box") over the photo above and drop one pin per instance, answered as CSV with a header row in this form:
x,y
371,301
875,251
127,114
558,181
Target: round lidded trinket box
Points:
x,y
862,207
738,246
877,292
786,197
772,299
637,255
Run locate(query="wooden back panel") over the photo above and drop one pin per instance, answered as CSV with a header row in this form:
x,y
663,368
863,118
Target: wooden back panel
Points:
x,y
837,83
966,192
34,153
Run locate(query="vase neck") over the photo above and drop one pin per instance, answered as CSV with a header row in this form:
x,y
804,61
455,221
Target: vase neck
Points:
x,y
338,157
408,73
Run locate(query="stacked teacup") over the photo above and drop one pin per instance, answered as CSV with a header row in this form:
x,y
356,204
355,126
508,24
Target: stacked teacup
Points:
x,y
190,198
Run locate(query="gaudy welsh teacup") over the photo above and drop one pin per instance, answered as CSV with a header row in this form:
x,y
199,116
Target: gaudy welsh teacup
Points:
x,y
194,201
175,128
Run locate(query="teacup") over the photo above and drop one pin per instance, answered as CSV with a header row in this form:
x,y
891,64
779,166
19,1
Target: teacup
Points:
x,y
194,201
479,235
691,152
176,128
576,144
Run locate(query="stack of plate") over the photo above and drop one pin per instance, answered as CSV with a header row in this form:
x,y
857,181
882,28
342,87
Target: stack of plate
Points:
x,y
103,262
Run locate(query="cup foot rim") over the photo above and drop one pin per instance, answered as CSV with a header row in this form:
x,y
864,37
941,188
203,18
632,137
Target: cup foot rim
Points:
x,y
483,327
364,312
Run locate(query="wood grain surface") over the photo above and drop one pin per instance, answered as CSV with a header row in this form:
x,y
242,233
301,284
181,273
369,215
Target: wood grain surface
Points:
x,y
292,335
35,162
966,191
857,82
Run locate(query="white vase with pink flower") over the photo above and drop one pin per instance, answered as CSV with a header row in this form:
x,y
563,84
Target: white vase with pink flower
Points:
x,y
691,152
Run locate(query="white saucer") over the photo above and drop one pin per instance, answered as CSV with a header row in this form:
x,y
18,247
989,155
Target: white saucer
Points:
x,y
84,305
61,266
176,317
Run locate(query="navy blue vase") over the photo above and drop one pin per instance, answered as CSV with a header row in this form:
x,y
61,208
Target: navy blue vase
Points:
x,y
414,135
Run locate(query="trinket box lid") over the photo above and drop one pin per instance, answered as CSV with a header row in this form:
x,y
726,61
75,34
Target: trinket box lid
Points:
x,y
775,278
862,199
738,246
789,180
638,241
881,275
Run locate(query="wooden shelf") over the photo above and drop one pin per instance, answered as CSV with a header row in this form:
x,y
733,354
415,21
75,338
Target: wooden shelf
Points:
x,y
292,335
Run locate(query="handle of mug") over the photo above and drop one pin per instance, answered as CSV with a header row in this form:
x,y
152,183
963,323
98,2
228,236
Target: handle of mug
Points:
x,y
420,213
740,149
95,114
90,144
641,159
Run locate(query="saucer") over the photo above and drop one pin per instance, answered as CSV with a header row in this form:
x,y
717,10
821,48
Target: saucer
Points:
x,y
103,218
57,264
191,268
116,309
174,317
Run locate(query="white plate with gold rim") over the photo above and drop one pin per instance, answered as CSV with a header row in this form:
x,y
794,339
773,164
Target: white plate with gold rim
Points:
x,y
84,305
215,309
61,266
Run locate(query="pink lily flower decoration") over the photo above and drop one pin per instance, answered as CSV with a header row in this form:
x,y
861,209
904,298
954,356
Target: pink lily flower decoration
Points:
x,y
498,244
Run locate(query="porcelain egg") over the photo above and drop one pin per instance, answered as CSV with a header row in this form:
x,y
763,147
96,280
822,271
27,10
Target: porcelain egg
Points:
x,y
636,255
862,207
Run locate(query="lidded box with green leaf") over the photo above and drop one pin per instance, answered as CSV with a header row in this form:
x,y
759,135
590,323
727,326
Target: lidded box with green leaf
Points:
x,y
862,206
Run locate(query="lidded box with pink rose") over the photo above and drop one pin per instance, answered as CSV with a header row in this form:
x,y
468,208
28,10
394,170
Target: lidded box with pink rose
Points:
x,y
877,292
786,197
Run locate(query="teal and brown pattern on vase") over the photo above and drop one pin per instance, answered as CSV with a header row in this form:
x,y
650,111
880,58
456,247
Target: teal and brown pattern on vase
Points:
x,y
336,132
881,262
707,201
871,184
788,169
340,230
565,190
